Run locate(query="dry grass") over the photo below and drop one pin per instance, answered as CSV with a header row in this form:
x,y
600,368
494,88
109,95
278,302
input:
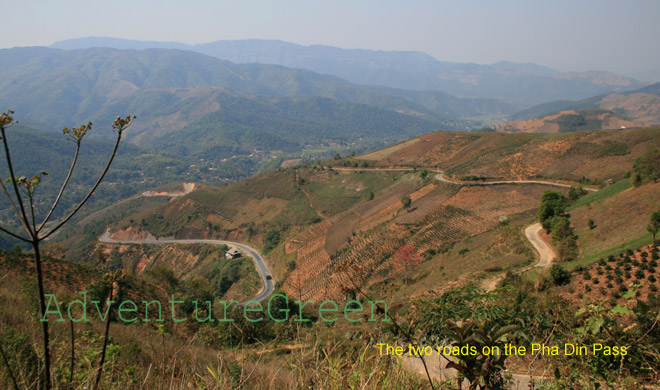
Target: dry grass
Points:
x,y
619,219
178,356
383,153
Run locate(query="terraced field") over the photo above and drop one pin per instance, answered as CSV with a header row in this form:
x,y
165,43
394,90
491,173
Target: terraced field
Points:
x,y
448,215
449,224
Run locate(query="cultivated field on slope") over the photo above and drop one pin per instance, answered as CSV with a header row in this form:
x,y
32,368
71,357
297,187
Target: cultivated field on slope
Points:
x,y
333,225
595,155
440,214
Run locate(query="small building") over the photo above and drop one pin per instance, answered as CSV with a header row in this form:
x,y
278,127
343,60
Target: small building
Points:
x,y
233,254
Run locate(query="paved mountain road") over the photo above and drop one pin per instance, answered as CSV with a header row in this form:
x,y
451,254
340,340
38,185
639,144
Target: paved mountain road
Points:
x,y
440,177
259,263
546,254
531,232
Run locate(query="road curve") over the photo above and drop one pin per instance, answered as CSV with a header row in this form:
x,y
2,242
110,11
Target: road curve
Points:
x,y
259,263
546,254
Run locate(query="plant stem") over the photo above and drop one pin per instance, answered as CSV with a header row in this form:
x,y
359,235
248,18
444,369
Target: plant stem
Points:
x,y
105,337
11,373
42,308
73,351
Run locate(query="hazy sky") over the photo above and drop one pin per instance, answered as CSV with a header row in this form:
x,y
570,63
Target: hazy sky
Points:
x,y
615,35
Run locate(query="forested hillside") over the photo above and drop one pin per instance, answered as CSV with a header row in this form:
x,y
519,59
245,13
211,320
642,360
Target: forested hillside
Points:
x,y
519,84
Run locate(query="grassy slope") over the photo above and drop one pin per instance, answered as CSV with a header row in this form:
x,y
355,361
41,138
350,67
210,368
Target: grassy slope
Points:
x,y
595,155
621,218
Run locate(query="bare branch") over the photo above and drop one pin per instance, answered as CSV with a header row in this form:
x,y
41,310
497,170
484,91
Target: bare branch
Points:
x,y
120,125
59,195
23,215
13,205
14,235
11,373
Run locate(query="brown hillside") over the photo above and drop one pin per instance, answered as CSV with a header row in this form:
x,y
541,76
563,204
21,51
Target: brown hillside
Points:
x,y
499,156
640,107
619,219
589,120
339,229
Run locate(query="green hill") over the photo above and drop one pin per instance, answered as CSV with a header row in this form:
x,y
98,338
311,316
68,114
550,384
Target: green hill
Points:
x,y
78,85
519,84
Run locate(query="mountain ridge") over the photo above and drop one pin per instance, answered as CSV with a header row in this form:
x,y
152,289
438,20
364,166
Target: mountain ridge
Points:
x,y
640,105
69,84
519,84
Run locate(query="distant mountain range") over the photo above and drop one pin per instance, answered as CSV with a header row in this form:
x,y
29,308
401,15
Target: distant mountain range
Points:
x,y
57,86
522,85
195,106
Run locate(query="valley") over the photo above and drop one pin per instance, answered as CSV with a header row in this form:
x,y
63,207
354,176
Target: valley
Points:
x,y
334,230
373,200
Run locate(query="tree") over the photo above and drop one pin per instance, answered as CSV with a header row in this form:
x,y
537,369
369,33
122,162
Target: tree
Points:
x,y
647,167
406,202
561,229
552,204
21,196
481,370
563,237
654,224
406,258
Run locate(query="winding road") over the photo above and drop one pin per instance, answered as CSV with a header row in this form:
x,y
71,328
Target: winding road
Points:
x,y
259,263
531,232
546,254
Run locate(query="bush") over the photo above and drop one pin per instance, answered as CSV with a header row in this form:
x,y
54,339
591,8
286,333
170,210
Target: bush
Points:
x,y
647,167
271,240
575,193
428,254
553,204
559,275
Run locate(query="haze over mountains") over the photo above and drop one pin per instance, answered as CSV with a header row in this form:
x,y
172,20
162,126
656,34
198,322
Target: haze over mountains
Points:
x,y
300,101
520,84
641,105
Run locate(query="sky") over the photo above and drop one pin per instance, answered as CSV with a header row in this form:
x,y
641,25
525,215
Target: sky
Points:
x,y
613,35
